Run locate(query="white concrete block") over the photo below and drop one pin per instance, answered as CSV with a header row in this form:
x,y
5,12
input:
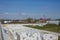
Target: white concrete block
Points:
x,y
50,37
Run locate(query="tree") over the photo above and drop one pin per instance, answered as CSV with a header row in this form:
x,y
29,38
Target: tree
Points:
x,y
29,20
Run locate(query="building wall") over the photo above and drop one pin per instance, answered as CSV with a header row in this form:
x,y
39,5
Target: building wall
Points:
x,y
53,22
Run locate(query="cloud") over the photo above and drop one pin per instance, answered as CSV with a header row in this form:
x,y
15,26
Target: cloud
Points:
x,y
23,14
6,13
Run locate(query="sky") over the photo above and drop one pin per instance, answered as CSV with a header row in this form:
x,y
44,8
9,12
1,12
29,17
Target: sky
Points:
x,y
20,9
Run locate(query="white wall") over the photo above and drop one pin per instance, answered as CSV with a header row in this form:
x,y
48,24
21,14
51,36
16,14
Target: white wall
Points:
x,y
53,22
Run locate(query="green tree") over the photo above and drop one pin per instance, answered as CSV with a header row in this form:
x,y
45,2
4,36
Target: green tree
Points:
x,y
29,20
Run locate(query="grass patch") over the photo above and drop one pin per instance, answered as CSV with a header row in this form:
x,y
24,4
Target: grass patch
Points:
x,y
59,38
48,27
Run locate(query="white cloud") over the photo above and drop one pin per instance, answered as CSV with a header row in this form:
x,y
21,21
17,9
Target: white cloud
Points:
x,y
23,13
6,13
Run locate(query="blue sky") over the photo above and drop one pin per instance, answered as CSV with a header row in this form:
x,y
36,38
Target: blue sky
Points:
x,y
20,9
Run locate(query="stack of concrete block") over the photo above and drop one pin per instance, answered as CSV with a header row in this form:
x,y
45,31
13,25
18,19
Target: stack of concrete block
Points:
x,y
30,36
50,37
